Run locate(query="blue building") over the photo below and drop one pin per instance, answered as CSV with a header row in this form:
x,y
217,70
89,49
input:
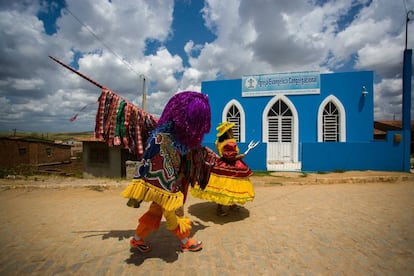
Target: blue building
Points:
x,y
305,121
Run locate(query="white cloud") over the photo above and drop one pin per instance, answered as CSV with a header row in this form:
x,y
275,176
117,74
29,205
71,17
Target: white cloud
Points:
x,y
385,58
252,37
389,89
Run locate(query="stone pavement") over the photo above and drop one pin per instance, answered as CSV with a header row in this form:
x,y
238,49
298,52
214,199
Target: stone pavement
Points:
x,y
355,225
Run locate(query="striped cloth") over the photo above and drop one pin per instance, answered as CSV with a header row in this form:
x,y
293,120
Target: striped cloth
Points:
x,y
136,123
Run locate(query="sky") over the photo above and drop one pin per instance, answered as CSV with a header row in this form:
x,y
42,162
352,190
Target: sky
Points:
x,y
175,45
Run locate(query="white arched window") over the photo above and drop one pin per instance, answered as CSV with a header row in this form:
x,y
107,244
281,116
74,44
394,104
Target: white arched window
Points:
x,y
331,121
234,113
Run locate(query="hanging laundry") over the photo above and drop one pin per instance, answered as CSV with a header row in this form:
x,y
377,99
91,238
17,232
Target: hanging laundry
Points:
x,y
120,123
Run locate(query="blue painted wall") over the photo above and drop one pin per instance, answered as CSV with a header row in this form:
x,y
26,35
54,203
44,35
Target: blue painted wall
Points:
x,y
222,92
358,152
376,155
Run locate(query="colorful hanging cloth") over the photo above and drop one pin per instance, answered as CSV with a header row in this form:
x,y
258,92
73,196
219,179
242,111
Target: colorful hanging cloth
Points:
x,y
120,123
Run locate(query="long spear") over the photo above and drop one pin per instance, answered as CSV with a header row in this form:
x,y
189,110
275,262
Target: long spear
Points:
x,y
83,76
77,72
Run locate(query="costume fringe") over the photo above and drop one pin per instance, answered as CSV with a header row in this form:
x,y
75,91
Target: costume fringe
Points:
x,y
184,224
183,229
225,190
141,190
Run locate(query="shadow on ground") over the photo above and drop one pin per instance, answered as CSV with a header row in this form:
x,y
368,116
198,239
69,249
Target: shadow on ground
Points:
x,y
206,211
164,244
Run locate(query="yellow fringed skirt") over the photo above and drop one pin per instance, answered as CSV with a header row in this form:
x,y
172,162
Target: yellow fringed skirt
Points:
x,y
225,190
141,190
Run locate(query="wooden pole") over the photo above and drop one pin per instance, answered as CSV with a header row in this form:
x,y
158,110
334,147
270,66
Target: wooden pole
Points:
x,y
77,72
144,94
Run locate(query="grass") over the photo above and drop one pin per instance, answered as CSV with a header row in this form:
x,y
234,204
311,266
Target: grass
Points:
x,y
97,188
269,173
276,183
40,136
334,171
24,170
262,173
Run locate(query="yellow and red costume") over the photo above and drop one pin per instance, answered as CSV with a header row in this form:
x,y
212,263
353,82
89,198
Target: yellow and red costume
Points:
x,y
160,180
229,182
173,159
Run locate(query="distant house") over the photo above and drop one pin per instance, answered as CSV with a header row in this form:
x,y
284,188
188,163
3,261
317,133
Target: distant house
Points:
x,y
17,151
75,144
120,135
381,128
101,160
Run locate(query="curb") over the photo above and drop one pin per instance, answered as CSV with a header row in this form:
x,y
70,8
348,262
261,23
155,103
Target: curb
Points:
x,y
332,180
97,187
100,184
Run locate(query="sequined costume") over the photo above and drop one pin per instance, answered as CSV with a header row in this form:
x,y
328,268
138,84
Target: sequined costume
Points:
x,y
169,165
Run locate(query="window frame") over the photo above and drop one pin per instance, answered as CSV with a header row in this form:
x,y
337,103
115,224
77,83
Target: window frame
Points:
x,y
242,118
341,121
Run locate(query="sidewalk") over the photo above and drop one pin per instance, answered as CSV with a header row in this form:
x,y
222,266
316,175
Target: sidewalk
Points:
x,y
359,224
289,178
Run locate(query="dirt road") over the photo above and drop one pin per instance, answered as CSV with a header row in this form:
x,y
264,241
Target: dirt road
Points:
x,y
293,227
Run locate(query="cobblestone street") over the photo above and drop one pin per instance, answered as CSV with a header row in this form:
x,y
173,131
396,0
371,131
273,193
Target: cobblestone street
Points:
x,y
300,229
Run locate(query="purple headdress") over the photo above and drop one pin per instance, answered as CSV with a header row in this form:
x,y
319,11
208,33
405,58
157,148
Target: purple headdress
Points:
x,y
189,115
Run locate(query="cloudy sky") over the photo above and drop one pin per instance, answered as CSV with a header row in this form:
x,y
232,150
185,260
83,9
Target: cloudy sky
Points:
x,y
178,44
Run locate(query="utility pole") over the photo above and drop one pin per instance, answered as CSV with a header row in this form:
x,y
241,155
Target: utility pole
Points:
x,y
406,98
407,19
144,95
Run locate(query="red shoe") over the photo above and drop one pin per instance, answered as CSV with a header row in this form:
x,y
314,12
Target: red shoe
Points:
x,y
192,245
140,245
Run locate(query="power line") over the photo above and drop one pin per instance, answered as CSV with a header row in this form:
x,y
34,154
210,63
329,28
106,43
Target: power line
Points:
x,y
103,43
129,66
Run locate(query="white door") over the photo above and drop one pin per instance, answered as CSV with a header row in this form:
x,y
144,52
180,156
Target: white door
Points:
x,y
280,134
